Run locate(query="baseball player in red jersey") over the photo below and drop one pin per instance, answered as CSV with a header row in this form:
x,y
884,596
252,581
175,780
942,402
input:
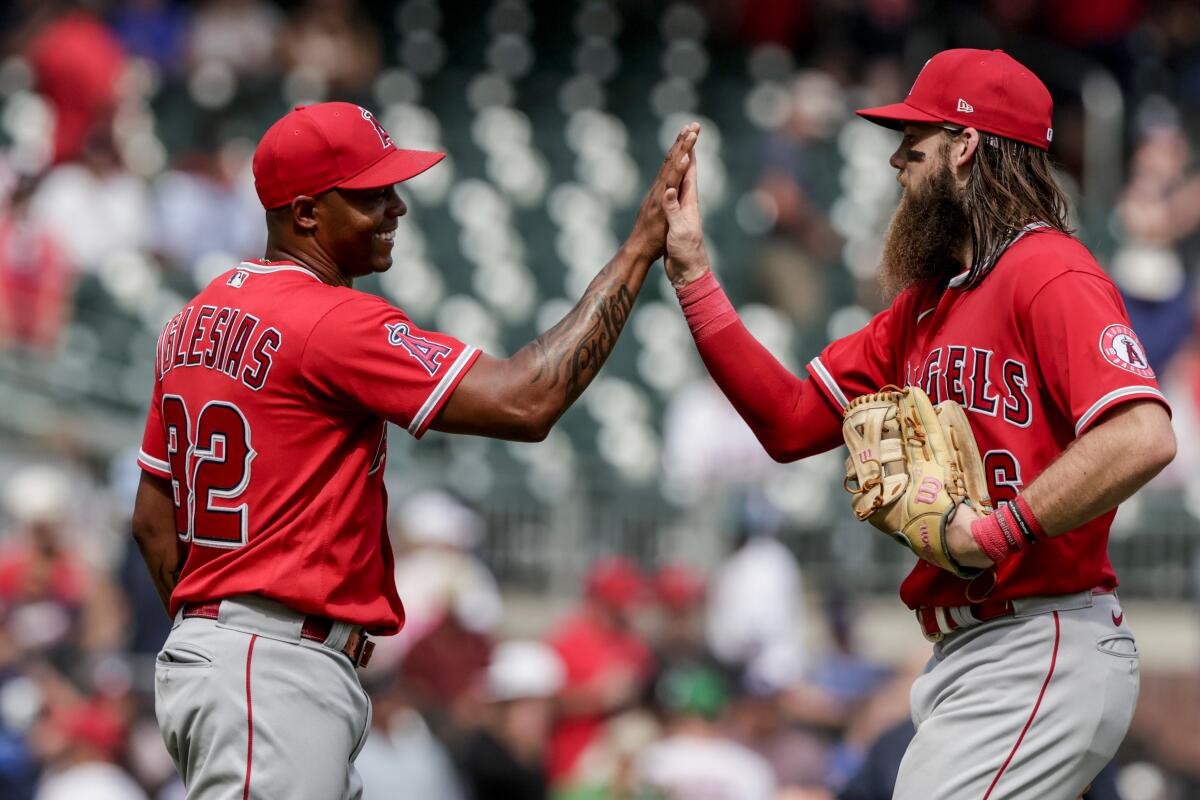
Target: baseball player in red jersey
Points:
x,y
1034,674
261,511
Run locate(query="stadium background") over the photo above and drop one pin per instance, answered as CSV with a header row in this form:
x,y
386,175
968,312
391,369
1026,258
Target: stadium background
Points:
x,y
126,131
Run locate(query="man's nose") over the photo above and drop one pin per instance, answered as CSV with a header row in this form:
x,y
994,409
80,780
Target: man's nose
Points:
x,y
398,208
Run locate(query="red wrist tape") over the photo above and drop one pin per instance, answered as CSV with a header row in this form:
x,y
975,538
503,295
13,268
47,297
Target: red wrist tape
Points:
x,y
1007,531
705,307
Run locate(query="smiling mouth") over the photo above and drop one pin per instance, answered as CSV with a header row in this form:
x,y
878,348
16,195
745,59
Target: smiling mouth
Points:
x,y
388,237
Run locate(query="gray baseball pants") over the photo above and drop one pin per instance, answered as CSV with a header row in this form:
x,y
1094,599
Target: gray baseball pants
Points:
x,y
1027,707
249,709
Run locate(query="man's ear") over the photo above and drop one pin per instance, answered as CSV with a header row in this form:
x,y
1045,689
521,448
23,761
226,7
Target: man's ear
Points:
x,y
962,149
304,213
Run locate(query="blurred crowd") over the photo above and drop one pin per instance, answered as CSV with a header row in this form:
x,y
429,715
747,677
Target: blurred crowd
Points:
x,y
126,129
654,682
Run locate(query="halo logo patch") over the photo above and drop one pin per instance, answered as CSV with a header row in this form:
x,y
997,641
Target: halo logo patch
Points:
x,y
1121,348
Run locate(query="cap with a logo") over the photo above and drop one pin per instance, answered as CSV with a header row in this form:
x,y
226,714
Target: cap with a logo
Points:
x,y
984,89
330,145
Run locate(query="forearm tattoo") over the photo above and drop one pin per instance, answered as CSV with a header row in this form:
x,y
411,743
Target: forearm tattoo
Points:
x,y
572,352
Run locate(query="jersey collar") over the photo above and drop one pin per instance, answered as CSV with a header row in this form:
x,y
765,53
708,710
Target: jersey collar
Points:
x,y
261,267
961,278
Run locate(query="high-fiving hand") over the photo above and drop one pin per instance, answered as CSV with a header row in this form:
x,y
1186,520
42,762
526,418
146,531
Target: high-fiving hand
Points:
x,y
686,258
650,229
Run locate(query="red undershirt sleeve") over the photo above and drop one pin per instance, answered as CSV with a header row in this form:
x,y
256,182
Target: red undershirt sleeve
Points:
x,y
789,415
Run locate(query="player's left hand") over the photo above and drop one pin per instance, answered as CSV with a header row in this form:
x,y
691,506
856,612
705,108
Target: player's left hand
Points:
x,y
961,543
650,230
686,259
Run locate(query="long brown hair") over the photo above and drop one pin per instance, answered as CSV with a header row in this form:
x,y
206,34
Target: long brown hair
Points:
x,y
1011,184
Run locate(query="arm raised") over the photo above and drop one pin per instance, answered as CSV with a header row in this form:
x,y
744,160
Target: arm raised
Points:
x,y
521,397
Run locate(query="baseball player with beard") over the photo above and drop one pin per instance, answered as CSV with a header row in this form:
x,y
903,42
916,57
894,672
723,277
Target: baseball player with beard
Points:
x,y
1034,674
261,510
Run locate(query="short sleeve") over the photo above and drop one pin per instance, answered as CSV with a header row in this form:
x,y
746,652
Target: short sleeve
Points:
x,y
368,354
152,457
1088,356
859,363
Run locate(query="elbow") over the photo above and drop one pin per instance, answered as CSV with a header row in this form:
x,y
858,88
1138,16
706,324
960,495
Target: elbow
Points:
x,y
534,431
532,420
1163,449
780,451
142,529
779,455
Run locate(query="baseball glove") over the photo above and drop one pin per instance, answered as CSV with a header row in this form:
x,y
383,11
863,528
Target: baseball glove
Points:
x,y
910,466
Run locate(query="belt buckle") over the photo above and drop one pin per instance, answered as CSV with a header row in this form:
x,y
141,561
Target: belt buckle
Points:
x,y
362,652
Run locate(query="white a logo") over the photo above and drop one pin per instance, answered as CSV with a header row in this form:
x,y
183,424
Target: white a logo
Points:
x,y
385,139
237,279
1049,134
965,107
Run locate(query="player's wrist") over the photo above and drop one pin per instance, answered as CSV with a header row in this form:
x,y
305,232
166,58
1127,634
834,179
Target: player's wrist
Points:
x,y
705,306
643,247
1008,531
684,275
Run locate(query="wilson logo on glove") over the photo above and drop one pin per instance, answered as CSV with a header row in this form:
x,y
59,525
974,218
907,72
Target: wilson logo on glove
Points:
x,y
927,465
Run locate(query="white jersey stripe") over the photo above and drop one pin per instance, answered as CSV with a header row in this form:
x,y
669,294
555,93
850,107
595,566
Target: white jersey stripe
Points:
x,y
151,461
1116,394
263,269
826,378
435,397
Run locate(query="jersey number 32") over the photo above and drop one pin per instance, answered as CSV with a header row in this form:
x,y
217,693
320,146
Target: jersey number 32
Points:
x,y
210,469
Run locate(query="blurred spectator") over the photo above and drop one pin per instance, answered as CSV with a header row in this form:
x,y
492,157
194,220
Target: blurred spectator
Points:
x,y
401,759
451,601
238,35
607,664
754,599
695,759
759,717
205,210
505,756
52,604
36,283
332,40
679,592
42,585
77,62
798,184
155,30
79,745
96,208
706,444
1160,212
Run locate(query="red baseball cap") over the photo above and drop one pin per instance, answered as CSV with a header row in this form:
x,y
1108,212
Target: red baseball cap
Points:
x,y
984,89
330,145
615,581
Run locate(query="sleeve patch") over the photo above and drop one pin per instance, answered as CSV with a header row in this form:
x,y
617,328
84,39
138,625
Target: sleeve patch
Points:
x,y
1120,347
427,353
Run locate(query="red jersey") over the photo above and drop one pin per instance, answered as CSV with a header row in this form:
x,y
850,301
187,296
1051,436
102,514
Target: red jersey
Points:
x,y
271,395
1035,354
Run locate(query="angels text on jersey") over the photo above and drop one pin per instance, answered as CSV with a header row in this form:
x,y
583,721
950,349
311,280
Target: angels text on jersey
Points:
x,y
977,380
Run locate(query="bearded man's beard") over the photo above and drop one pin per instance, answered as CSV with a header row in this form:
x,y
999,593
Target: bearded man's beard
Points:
x,y
926,235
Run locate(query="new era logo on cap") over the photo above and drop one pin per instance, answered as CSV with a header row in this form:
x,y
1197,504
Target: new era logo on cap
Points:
x,y
965,107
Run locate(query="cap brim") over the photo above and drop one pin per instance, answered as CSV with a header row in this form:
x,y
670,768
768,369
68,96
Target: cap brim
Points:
x,y
395,167
896,115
